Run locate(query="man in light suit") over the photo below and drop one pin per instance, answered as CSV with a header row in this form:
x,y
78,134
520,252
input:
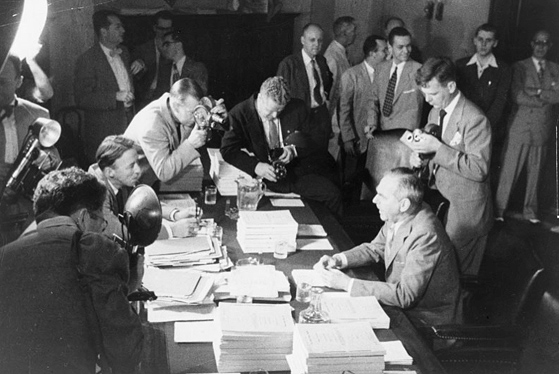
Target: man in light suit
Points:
x,y
103,84
535,91
460,165
397,101
355,100
166,131
419,261
309,79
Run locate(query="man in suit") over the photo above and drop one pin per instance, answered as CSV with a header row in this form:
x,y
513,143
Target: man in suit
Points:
x,y
390,24
309,79
260,125
64,289
419,261
182,65
103,83
460,165
149,62
397,101
535,91
345,31
167,133
356,98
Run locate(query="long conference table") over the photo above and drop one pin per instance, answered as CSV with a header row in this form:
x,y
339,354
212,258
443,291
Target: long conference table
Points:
x,y
163,355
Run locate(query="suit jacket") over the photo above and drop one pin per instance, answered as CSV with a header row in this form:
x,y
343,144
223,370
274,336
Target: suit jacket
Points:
x,y
44,309
421,270
142,81
489,92
246,131
356,99
190,69
532,119
95,88
155,131
292,68
462,176
408,100
338,64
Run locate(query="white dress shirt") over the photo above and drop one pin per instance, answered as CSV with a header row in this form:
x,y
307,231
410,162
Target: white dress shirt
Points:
x,y
119,70
480,68
310,75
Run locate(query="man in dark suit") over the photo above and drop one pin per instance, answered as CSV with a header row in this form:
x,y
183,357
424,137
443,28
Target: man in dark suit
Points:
x,y
260,125
103,84
535,92
63,299
419,261
460,165
309,79
149,62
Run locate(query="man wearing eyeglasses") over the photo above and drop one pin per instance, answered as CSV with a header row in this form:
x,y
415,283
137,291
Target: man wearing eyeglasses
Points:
x,y
149,63
63,299
535,91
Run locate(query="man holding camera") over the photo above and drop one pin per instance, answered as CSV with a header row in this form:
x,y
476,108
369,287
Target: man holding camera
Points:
x,y
268,125
167,133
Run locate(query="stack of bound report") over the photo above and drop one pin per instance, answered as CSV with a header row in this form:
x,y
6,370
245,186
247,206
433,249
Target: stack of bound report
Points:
x,y
335,348
260,231
253,336
190,251
344,308
190,179
224,174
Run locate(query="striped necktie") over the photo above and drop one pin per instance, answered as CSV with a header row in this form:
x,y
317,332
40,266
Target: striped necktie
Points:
x,y
541,72
316,89
388,101
176,75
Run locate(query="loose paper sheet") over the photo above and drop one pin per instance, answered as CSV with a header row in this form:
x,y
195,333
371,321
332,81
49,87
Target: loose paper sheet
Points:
x,y
314,244
287,202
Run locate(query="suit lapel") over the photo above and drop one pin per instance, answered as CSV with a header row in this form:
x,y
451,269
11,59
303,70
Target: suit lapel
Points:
x,y
453,121
100,55
404,80
259,143
302,76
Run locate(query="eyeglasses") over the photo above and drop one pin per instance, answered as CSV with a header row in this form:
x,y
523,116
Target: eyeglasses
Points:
x,y
99,218
542,43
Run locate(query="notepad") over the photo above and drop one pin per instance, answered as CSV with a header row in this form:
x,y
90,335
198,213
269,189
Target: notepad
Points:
x,y
287,202
314,244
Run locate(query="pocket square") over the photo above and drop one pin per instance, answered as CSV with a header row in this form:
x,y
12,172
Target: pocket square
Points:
x,y
409,91
457,139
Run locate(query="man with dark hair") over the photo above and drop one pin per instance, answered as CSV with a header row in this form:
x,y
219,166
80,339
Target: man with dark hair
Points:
x,y
460,166
355,100
397,101
182,65
64,289
420,264
149,63
166,131
345,31
535,93
484,79
260,125
390,24
103,84
309,79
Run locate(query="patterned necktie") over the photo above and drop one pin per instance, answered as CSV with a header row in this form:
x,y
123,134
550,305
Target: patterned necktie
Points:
x,y
176,75
432,180
273,134
541,73
316,89
387,107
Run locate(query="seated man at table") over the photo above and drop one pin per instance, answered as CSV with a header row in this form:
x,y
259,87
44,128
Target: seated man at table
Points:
x,y
117,168
420,264
63,299
258,127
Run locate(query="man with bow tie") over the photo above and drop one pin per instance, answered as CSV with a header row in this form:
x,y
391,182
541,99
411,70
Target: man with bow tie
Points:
x,y
420,265
103,84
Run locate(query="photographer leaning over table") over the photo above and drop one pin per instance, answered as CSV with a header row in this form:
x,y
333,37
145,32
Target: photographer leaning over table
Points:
x,y
117,168
267,125
420,264
167,133
63,299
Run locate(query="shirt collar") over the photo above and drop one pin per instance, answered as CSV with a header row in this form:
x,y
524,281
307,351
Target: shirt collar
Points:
x,y
110,52
180,63
450,107
491,62
400,65
338,45
306,58
537,63
370,69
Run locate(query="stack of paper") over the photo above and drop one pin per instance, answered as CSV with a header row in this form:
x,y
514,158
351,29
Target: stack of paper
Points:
x,y
335,348
224,174
178,285
259,232
190,251
343,308
190,179
253,336
396,354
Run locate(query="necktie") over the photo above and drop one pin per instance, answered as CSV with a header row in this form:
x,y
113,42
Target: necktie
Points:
x,y
541,72
273,134
389,239
387,107
442,114
7,112
316,89
432,180
120,202
115,52
176,75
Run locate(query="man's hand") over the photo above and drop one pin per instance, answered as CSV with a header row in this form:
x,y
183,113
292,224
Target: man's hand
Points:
x,y
125,96
349,148
416,161
265,171
198,137
287,156
334,278
219,109
137,66
369,131
425,143
327,262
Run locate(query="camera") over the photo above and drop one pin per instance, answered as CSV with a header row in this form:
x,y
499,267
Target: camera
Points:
x,y
431,129
203,115
279,167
